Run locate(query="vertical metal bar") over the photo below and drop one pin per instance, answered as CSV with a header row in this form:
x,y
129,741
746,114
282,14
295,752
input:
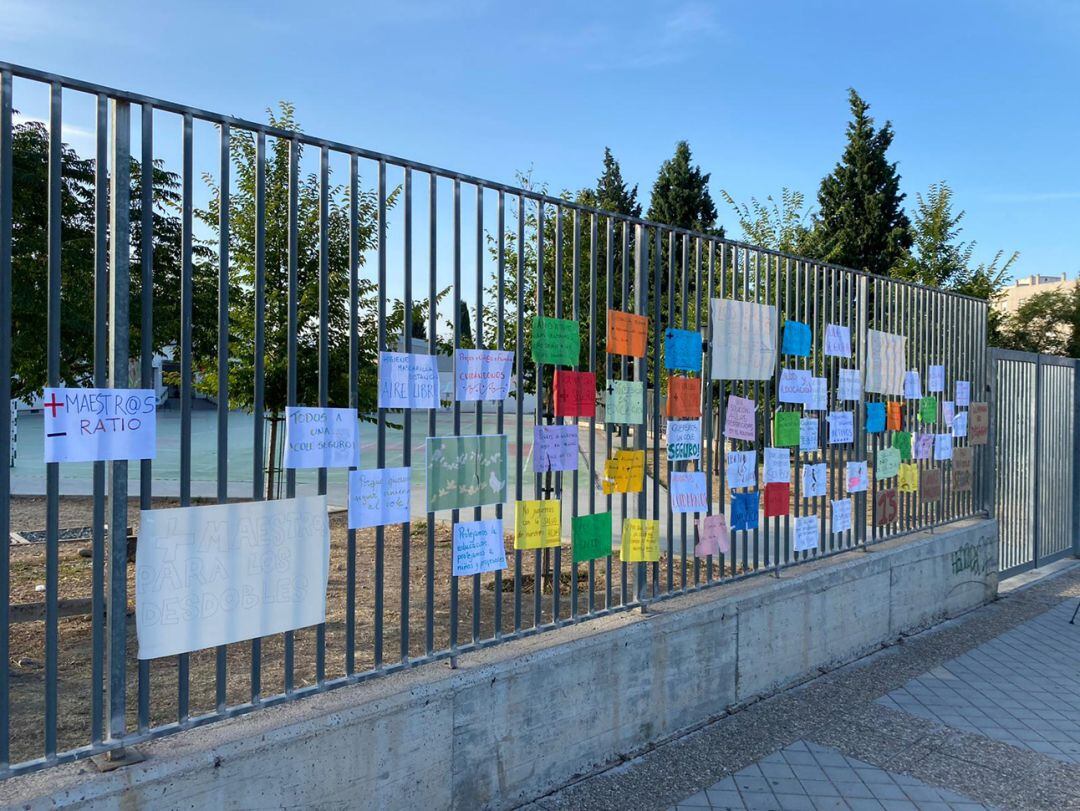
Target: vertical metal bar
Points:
x,y
479,343
223,371
670,465
500,338
290,341
705,461
593,236
380,446
454,514
146,348
324,356
433,267
609,277
1037,459
258,454
186,378
537,581
6,198
519,416
406,449
641,298
576,259
556,583
354,402
1074,519
119,300
655,380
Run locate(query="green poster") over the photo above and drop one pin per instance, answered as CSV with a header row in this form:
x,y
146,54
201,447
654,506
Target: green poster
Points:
x,y
887,464
901,440
555,340
465,471
928,409
592,537
786,429
625,402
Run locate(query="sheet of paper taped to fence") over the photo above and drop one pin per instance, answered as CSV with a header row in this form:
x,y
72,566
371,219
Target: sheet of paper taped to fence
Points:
x,y
208,576
99,425
744,340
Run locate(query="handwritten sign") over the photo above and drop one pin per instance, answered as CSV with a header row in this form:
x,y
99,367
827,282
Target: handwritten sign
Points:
x,y
808,434
482,374
887,464
807,532
465,471
640,540
928,409
924,446
408,380
943,447
713,536
912,385
901,440
625,402
885,362
624,472
777,465
99,425
818,398
963,469
930,485
378,497
555,340
894,415
786,429
795,385
813,480
574,393
960,425
627,334
936,381
841,427
909,477
978,423
886,507
688,492
683,440
837,341
591,536
744,511
682,350
841,515
796,339
684,397
858,477
555,447
875,418
537,524
777,499
212,575
743,340
740,418
321,437
963,393
478,547
849,384
741,469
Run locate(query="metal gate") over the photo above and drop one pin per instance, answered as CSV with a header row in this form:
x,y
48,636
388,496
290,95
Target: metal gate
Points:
x,y
1035,452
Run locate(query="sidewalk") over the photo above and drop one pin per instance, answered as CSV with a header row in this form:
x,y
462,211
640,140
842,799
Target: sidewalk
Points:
x,y
981,712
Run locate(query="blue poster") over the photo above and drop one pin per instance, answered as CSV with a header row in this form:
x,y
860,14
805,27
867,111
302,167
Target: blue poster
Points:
x,y
744,510
796,339
875,418
682,350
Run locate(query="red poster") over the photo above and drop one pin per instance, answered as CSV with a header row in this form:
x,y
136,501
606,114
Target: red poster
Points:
x,y
885,507
684,397
575,393
777,499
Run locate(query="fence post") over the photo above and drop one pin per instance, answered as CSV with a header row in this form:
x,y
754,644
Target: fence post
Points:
x,y
1076,459
1036,524
641,307
119,280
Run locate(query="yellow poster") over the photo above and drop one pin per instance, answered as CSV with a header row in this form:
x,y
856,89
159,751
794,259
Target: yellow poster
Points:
x,y
640,540
624,472
536,524
909,478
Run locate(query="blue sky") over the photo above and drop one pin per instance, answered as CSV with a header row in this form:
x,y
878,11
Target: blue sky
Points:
x,y
982,94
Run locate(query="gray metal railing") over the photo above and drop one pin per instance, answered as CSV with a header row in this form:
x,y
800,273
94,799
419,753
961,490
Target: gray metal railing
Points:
x,y
533,252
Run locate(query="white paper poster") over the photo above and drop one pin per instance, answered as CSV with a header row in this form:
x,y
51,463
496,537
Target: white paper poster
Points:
x,y
808,438
478,547
482,374
813,480
963,393
99,425
885,354
818,398
806,533
321,437
795,385
942,447
378,497
777,465
959,425
208,576
948,411
858,477
837,341
912,385
743,340
841,515
688,492
841,427
849,384
741,469
936,381
683,440
408,381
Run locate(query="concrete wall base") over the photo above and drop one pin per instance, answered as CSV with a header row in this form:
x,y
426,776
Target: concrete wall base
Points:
x,y
516,721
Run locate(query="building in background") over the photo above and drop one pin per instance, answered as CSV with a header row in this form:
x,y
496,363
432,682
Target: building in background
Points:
x,y
1022,289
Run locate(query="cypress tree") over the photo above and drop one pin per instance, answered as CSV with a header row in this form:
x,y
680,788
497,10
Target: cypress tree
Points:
x,y
680,195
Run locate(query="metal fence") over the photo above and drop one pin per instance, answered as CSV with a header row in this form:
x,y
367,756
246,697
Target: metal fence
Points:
x,y
505,253
1035,458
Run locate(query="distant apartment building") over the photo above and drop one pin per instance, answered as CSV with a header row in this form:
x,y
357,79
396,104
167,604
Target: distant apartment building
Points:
x,y
1023,289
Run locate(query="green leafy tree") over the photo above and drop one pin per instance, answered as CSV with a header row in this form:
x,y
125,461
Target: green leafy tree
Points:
x,y
860,220
612,192
680,195
777,224
1047,322
937,258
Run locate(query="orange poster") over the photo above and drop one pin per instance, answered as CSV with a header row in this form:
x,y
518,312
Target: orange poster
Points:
x,y
684,397
627,334
894,416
